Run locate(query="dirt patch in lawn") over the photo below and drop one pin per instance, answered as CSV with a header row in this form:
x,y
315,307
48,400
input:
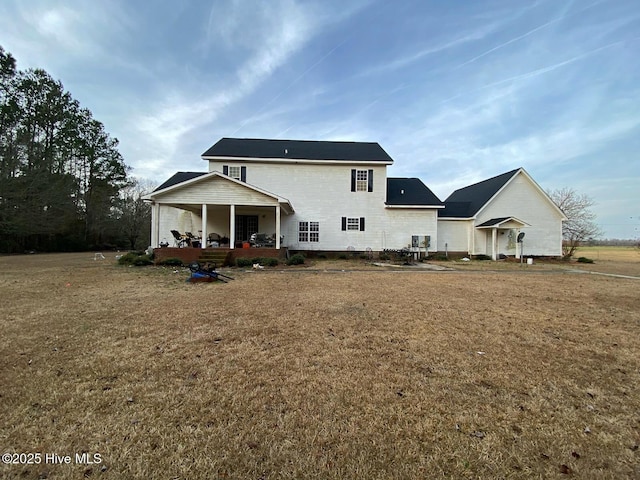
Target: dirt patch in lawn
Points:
x,y
304,373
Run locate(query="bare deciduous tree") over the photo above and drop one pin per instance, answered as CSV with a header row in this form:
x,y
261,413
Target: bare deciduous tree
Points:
x,y
580,224
134,214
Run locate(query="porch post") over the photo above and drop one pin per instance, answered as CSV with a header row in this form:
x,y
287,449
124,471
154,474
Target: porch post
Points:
x,y
232,226
203,240
494,233
278,226
155,225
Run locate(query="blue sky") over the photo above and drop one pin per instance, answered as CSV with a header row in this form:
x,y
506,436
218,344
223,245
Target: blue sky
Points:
x,y
454,91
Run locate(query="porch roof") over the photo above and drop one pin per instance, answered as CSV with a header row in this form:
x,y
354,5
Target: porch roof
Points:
x,y
186,188
503,222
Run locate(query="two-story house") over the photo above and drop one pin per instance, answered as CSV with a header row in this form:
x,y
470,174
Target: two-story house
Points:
x,y
328,196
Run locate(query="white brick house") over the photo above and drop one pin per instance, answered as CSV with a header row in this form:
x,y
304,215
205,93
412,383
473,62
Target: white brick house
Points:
x,y
323,196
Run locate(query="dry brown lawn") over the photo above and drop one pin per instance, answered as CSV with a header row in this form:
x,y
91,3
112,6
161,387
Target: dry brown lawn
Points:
x,y
313,372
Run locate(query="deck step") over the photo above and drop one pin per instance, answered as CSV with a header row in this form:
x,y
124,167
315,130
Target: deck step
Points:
x,y
212,256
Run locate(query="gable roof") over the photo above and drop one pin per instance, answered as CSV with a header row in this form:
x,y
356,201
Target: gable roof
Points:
x,y
466,202
298,149
187,179
501,221
410,191
179,177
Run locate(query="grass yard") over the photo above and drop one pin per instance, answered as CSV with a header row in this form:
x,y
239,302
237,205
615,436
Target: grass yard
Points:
x,y
318,373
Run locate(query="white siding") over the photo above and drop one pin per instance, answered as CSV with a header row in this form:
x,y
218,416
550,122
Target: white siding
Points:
x,y
216,190
322,193
522,199
454,235
400,224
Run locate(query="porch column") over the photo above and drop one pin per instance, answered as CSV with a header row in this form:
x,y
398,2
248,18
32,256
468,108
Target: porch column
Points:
x,y
494,234
232,226
155,225
278,226
203,240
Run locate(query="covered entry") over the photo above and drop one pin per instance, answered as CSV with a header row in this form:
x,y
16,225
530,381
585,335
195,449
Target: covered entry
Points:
x,y
501,236
215,203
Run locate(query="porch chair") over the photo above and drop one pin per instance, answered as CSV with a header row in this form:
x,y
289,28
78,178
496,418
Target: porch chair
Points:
x,y
179,240
192,240
214,240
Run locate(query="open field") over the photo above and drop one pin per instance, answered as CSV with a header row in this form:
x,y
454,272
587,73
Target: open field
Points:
x,y
496,372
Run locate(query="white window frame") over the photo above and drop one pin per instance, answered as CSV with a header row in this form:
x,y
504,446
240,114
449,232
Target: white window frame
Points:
x,y
362,180
353,224
235,171
308,232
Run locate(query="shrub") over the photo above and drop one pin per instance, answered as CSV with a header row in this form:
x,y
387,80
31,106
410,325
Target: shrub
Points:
x,y
135,258
244,262
142,260
269,261
171,261
342,256
128,258
442,258
482,257
584,260
384,256
297,259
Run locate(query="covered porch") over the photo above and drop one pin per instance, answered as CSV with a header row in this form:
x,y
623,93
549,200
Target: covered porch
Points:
x,y
501,236
216,211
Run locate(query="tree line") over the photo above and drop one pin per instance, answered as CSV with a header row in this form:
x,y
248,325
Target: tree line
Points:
x,y
64,186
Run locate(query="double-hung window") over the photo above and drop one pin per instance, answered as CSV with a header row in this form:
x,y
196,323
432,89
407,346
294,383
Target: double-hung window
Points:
x,y
235,171
308,231
361,180
353,224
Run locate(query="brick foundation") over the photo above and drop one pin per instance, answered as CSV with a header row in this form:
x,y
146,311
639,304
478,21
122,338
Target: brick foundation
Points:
x,y
188,254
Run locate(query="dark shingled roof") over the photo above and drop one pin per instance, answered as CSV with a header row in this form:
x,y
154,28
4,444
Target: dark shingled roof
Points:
x,y
465,202
298,149
179,177
493,221
415,192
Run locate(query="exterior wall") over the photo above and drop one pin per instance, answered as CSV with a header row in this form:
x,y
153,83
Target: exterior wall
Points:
x,y
522,199
454,235
398,225
322,193
176,219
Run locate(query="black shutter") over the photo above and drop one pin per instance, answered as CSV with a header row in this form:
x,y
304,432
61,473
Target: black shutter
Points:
x,y
362,224
344,223
370,178
225,169
353,180
243,174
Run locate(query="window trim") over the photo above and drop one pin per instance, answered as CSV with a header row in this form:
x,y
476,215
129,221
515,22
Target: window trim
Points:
x,y
355,180
243,172
308,232
360,224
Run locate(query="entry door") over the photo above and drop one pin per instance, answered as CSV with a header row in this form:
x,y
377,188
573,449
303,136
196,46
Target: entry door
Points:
x,y
245,226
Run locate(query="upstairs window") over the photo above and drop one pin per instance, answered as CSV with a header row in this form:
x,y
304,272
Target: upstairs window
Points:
x,y
361,180
234,171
